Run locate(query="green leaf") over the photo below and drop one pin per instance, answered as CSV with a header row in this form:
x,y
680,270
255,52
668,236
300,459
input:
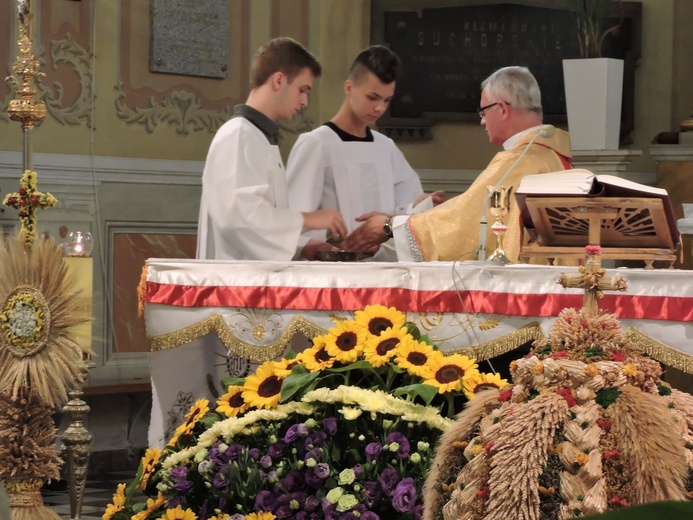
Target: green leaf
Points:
x,y
356,365
413,330
425,392
297,382
606,396
232,381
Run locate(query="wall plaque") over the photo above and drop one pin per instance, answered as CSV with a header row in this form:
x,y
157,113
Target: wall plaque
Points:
x,y
449,47
190,37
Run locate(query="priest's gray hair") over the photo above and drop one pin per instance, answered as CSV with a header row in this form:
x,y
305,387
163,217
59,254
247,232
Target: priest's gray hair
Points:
x,y
517,86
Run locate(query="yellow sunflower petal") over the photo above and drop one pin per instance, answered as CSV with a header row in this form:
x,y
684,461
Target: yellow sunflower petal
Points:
x,y
346,341
178,513
479,382
376,319
414,357
263,388
317,358
232,404
449,371
381,349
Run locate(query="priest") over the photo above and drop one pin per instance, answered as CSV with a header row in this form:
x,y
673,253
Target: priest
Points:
x,y
512,115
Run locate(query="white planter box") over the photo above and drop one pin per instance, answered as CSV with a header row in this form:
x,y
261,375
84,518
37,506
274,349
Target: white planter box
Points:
x,y
593,93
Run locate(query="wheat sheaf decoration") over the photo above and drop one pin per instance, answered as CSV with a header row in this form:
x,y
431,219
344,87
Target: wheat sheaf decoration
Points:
x,y
38,306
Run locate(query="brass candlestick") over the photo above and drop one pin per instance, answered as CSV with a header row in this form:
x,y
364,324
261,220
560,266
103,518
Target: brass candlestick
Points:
x,y
499,204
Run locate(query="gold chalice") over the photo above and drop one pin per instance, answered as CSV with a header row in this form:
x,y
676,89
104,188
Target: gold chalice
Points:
x,y
499,204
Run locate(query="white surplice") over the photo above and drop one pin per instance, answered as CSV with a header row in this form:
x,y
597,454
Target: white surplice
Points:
x,y
244,211
354,177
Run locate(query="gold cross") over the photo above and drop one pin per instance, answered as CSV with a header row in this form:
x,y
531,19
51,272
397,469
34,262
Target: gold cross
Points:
x,y
592,279
27,200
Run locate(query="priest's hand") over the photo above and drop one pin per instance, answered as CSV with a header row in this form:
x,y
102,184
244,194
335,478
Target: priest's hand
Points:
x,y
329,219
437,197
369,235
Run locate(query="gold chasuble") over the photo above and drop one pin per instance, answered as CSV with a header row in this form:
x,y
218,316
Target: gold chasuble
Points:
x,y
450,231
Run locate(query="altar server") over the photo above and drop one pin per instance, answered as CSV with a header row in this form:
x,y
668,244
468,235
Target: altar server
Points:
x,y
346,165
244,211
512,115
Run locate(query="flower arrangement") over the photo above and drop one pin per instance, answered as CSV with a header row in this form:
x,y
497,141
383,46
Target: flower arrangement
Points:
x,y
344,430
27,200
589,15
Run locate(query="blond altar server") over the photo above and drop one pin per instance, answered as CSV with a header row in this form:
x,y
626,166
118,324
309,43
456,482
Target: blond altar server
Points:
x,y
346,165
244,210
512,115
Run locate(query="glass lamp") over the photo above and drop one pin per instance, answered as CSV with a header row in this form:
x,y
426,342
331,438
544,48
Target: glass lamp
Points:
x,y
79,243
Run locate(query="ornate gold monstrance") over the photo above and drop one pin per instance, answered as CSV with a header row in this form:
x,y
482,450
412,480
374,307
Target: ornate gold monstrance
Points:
x,y
40,361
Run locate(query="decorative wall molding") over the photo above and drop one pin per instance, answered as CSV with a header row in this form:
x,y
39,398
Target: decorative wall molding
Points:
x,y
181,109
77,169
62,52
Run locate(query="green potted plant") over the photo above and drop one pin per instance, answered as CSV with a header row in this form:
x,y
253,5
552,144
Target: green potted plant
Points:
x,y
593,84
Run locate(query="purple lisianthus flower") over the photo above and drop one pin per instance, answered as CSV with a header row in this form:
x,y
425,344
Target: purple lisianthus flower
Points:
x,y
388,480
312,480
234,451
277,450
314,453
357,471
311,503
330,425
315,439
404,448
175,502
179,477
417,512
220,481
220,459
330,510
254,454
373,494
237,516
282,508
266,461
369,515
404,497
322,470
264,501
373,450
293,481
294,432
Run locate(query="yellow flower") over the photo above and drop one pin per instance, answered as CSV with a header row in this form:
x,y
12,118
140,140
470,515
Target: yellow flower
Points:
x,y
591,370
350,413
376,319
197,412
263,388
152,505
538,369
317,358
448,371
179,514
284,366
118,503
381,349
345,342
232,403
476,384
630,370
413,357
262,515
149,462
581,458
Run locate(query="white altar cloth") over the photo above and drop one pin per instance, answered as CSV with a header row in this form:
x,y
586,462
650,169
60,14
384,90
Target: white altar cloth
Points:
x,y
457,305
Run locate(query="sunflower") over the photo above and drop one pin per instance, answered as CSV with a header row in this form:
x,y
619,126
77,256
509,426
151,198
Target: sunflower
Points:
x,y
284,366
149,462
261,515
376,319
345,341
232,403
197,412
317,358
381,349
39,306
152,505
263,388
448,371
413,357
179,513
476,384
118,503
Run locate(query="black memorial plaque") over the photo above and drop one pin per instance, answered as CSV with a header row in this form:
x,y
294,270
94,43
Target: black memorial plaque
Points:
x,y
448,50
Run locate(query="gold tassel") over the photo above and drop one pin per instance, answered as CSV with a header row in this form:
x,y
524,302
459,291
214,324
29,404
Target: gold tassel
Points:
x,y
142,290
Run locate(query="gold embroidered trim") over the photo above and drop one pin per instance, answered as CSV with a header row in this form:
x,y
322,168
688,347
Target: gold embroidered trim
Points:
x,y
659,351
504,344
216,323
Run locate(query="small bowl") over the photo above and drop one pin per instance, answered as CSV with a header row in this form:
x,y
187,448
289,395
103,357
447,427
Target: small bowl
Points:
x,y
336,256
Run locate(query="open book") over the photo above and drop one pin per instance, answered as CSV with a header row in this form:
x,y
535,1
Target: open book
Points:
x,y
584,183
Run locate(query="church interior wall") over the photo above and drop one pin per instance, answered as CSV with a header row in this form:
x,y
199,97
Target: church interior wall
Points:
x,y
123,148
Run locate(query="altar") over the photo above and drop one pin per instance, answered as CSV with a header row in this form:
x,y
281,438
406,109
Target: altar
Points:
x,y
211,319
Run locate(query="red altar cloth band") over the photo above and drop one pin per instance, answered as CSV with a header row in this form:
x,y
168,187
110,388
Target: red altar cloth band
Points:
x,y
672,308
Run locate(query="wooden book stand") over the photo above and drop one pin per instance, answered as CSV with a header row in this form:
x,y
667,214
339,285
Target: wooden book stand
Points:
x,y
626,228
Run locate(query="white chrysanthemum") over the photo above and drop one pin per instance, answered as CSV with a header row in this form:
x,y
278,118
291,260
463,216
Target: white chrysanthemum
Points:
x,y
350,413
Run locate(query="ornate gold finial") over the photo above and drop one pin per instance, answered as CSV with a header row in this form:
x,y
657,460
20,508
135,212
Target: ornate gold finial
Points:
x,y
592,279
27,110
